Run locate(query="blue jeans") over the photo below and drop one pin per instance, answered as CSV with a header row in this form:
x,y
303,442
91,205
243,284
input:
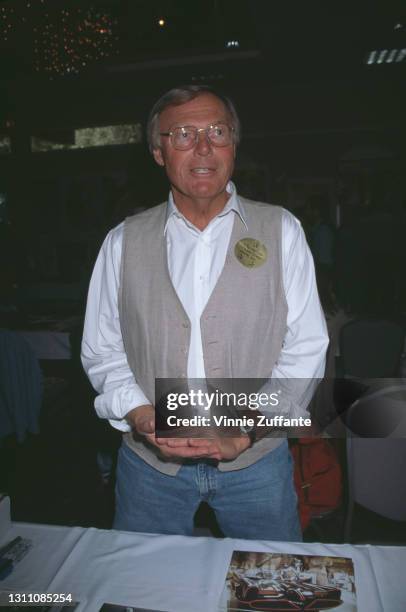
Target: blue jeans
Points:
x,y
258,502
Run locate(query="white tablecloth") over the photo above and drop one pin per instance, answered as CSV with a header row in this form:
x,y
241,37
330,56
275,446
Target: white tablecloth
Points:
x,y
173,573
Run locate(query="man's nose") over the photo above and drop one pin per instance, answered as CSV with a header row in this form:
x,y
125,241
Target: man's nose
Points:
x,y
203,145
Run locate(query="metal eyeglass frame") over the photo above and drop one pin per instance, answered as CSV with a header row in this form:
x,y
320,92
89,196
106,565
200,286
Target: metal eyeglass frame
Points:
x,y
197,130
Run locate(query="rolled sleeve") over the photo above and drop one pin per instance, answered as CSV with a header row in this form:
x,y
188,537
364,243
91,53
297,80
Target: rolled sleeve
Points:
x,y
302,359
103,355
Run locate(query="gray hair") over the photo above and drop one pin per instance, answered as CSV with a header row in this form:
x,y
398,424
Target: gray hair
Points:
x,y
181,95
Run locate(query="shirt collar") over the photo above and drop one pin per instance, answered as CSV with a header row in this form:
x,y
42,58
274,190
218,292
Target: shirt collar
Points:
x,y
233,203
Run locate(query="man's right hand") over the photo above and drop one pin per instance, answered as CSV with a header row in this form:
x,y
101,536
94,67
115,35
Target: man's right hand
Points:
x,y
142,420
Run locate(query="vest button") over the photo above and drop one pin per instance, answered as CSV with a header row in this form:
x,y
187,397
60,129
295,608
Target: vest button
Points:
x,y
185,325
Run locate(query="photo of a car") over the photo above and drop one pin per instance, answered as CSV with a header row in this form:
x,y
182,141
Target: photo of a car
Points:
x,y
265,593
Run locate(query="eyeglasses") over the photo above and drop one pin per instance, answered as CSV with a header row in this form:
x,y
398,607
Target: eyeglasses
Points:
x,y
186,137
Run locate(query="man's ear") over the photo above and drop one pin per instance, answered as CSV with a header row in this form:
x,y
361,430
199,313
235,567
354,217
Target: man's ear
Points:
x,y
159,158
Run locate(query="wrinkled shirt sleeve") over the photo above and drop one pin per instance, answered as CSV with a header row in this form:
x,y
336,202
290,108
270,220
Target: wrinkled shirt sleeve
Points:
x,y
301,363
103,355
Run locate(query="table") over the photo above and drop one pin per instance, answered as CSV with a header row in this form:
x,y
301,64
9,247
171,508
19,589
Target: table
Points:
x,y
172,573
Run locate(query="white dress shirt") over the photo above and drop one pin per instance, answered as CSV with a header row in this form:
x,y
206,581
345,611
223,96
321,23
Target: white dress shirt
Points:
x,y
195,260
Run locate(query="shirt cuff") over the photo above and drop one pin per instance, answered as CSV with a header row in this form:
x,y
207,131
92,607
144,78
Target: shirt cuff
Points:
x,y
116,403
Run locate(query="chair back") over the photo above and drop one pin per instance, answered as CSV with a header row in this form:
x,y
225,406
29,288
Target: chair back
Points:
x,y
376,475
377,465
20,386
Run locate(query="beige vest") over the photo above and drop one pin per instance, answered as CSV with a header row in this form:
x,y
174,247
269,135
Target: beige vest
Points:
x,y
243,324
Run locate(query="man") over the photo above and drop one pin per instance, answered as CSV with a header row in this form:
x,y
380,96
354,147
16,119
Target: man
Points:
x,y
174,295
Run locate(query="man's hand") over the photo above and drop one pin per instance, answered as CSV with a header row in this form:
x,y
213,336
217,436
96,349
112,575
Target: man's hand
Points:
x,y
224,448
142,420
221,448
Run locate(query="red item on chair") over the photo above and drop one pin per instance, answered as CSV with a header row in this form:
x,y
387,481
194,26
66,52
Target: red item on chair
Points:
x,y
317,477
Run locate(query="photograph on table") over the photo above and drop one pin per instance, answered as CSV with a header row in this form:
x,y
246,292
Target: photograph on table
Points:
x,y
276,581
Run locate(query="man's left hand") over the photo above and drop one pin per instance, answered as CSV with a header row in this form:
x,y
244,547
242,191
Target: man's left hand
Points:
x,y
223,448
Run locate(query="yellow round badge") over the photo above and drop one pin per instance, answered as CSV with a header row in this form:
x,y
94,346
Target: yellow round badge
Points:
x,y
250,252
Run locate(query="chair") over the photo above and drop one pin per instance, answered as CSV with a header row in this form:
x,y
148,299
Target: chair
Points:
x,y
20,387
377,466
371,348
